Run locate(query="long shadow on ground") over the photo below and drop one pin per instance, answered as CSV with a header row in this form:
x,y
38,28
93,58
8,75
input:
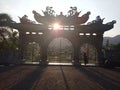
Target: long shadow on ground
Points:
x,y
99,78
6,68
27,83
116,69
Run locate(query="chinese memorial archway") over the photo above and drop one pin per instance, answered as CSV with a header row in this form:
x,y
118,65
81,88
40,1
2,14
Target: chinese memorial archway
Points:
x,y
71,27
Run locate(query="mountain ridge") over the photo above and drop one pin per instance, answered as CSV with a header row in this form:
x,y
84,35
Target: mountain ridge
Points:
x,y
112,40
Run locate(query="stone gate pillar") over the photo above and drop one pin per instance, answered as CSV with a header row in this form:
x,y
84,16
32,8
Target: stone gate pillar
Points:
x,y
100,57
21,47
43,59
76,55
99,48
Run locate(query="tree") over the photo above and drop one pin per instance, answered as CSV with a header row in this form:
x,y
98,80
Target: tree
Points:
x,y
9,39
116,46
5,18
4,42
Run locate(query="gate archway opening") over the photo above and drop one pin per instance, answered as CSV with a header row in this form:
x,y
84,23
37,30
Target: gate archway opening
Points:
x,y
60,52
32,53
91,54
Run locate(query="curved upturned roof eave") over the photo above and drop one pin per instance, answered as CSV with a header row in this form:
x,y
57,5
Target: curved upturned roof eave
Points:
x,y
25,27
94,28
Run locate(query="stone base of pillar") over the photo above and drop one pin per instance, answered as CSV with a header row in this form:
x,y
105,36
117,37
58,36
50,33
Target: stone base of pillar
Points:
x,y
100,64
77,64
43,62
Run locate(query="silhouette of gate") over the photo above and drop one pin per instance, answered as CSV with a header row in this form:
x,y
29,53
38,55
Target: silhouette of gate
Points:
x,y
72,28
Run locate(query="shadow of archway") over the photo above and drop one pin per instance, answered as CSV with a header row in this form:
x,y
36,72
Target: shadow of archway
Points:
x,y
29,80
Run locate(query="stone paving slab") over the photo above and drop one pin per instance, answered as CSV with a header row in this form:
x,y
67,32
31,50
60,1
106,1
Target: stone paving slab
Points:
x,y
35,77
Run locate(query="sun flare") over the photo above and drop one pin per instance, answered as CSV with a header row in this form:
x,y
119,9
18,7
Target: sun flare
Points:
x,y
56,26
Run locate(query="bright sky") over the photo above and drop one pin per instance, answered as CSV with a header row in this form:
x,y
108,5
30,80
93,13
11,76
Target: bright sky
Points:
x,y
108,9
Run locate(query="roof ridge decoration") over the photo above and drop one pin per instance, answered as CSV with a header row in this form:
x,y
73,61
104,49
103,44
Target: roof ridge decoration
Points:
x,y
71,19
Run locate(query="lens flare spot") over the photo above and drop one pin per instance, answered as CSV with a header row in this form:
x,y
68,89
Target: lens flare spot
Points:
x,y
56,26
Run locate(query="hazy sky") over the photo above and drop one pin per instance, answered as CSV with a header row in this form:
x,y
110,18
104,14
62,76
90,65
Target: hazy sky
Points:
x,y
108,9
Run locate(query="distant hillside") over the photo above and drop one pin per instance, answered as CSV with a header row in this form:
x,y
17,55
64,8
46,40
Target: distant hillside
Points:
x,y
112,40
64,42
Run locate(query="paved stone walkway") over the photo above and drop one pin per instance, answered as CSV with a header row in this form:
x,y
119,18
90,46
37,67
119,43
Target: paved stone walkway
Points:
x,y
33,77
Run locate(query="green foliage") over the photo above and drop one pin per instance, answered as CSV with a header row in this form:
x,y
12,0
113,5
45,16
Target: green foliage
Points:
x,y
14,41
116,46
32,52
9,38
5,17
10,43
